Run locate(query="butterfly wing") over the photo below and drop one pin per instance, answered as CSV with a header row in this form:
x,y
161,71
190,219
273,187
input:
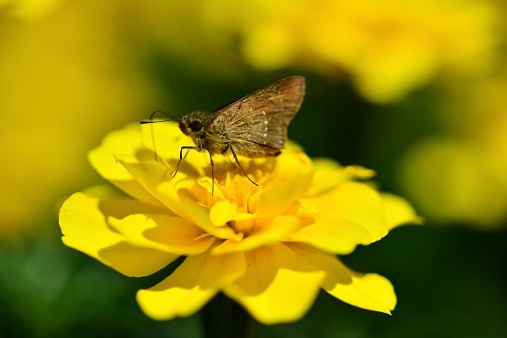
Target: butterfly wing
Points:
x,y
256,125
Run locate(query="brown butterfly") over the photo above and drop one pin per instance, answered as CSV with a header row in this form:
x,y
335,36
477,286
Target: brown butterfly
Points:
x,y
253,126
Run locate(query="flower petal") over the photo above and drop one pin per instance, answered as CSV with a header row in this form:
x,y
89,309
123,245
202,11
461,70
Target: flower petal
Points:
x,y
273,232
123,141
83,220
193,283
167,136
84,227
368,291
222,212
276,198
398,211
338,236
329,174
163,232
278,286
135,261
356,202
153,177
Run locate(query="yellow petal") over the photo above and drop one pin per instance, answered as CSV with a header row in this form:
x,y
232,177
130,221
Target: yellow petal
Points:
x,y
223,212
153,176
135,261
123,141
164,138
83,223
358,203
398,211
328,174
272,233
84,226
278,286
308,206
162,232
114,203
368,291
193,283
338,236
276,198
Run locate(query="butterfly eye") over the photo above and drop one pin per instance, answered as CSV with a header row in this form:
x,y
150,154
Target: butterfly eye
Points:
x,y
196,125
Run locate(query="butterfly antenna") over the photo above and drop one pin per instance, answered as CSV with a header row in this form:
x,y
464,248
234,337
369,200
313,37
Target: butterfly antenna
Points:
x,y
151,122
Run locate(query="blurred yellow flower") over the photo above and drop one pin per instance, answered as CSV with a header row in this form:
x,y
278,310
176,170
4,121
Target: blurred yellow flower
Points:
x,y
270,247
29,10
460,175
61,87
387,47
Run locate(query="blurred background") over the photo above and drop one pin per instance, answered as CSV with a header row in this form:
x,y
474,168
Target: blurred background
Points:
x,y
415,90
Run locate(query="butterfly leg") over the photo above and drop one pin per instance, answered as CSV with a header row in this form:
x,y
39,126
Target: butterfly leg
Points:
x,y
239,164
182,157
212,174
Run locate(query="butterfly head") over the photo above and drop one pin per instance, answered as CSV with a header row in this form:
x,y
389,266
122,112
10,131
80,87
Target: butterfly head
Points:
x,y
189,125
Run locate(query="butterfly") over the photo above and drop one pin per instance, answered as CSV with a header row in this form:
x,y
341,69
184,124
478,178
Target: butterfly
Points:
x,y
254,126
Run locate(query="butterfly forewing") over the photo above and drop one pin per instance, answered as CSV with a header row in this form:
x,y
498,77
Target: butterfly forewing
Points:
x,y
256,125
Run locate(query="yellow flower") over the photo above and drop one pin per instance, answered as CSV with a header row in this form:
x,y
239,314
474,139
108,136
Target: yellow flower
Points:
x,y
387,48
76,89
269,247
470,185
30,10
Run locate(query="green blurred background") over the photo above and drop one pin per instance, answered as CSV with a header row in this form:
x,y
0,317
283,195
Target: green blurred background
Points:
x,y
414,90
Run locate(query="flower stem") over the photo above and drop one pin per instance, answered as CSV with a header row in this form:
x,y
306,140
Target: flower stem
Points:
x,y
222,317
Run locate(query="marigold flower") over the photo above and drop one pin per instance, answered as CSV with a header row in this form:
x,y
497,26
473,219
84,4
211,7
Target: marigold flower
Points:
x,y
388,48
269,247
471,188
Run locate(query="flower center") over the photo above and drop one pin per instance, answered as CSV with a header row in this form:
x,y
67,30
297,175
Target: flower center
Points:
x,y
234,201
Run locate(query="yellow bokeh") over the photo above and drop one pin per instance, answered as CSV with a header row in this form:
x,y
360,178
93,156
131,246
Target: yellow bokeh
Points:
x,y
29,10
70,71
64,80
388,48
461,174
